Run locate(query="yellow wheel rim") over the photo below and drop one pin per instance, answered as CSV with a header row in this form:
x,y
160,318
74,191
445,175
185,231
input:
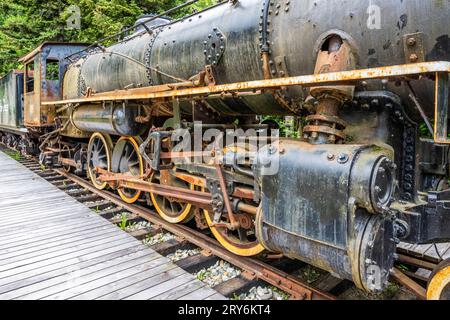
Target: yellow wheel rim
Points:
x,y
107,143
183,217
135,142
245,252
439,281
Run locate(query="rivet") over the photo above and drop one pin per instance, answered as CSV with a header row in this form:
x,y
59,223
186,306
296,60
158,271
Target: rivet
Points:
x,y
342,158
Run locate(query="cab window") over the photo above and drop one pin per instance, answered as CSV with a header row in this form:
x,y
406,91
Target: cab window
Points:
x,y
30,77
52,69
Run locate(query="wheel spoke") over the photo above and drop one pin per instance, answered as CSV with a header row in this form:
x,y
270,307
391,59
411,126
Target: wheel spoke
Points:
x,y
171,206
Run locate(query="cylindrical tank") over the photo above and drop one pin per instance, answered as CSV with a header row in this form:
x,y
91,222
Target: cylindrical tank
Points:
x,y
117,119
231,37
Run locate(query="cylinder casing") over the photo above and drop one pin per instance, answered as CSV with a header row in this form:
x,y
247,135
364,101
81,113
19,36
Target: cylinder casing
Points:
x,y
116,119
317,206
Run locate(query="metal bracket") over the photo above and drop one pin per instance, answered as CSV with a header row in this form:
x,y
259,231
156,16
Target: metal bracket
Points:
x,y
152,155
280,62
214,47
441,108
413,46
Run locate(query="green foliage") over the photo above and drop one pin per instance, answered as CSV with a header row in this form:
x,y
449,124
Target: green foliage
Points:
x,y
287,128
13,154
24,24
123,222
423,131
201,275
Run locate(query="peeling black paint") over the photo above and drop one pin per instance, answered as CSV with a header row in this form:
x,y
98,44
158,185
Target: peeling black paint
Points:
x,y
402,22
441,50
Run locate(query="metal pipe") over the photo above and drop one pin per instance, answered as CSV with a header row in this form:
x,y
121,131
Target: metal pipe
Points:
x,y
413,97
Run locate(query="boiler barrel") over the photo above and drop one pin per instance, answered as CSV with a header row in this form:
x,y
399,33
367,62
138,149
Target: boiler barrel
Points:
x,y
230,37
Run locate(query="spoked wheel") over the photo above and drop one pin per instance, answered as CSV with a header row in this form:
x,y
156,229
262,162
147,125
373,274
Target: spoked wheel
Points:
x,y
170,209
99,156
439,283
67,154
241,241
128,160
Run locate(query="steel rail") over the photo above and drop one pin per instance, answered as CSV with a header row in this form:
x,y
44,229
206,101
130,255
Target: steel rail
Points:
x,y
254,268
333,78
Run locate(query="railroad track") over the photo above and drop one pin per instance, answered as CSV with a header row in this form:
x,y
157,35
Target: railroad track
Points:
x,y
197,252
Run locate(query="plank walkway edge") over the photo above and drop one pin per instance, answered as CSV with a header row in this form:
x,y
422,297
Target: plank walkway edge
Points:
x,y
45,253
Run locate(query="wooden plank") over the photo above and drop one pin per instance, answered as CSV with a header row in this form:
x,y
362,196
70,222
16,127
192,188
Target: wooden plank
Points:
x,y
327,283
180,291
101,285
446,254
27,239
235,284
27,208
102,239
216,296
48,230
70,273
45,216
85,282
199,295
196,262
174,282
55,243
70,218
441,249
59,267
168,246
42,211
123,284
60,258
150,282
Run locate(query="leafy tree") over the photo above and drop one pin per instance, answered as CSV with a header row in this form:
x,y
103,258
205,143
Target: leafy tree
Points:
x,y
24,24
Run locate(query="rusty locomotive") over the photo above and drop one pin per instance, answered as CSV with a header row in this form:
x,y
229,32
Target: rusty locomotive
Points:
x,y
366,79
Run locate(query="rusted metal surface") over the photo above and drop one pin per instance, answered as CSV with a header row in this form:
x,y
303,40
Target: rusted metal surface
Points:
x,y
259,269
234,224
198,198
11,90
39,85
333,78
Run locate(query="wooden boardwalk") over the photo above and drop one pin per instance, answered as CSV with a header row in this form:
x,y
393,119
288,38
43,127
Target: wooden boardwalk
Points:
x,y
53,247
428,251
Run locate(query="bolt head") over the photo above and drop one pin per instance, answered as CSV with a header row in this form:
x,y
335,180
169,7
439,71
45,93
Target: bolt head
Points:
x,y
411,42
413,57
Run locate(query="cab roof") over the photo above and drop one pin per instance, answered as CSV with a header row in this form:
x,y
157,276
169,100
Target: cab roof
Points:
x,y
38,49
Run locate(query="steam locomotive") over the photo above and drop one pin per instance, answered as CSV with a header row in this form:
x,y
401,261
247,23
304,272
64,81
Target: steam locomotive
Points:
x,y
368,170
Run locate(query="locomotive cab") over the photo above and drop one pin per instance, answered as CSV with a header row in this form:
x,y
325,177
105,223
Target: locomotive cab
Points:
x,y
44,71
